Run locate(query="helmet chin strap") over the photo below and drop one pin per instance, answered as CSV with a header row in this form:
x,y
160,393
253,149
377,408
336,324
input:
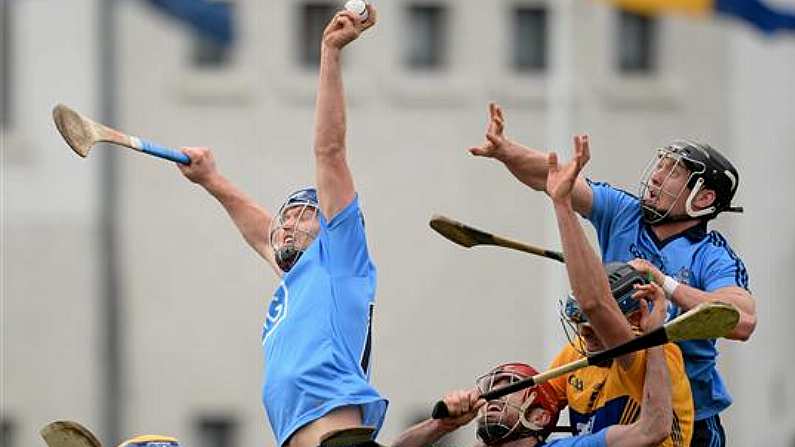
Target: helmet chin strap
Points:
x,y
524,411
689,202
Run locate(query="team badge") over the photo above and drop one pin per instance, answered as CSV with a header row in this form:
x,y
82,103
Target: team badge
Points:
x,y
587,427
576,382
636,252
683,276
276,311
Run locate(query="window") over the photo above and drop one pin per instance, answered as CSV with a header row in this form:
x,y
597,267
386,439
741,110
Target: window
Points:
x,y
213,35
530,39
6,433
426,37
636,43
6,100
313,20
209,54
216,431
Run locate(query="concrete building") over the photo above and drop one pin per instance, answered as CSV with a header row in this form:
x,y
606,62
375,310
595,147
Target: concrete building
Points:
x,y
192,295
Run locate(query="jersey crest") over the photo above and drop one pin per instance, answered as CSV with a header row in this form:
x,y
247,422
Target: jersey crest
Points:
x,y
636,252
276,311
585,428
576,383
683,276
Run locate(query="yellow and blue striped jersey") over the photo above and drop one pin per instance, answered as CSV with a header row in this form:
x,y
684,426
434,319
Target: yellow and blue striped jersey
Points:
x,y
599,397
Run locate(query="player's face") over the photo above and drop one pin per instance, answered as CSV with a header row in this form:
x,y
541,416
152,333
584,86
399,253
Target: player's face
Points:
x,y
504,410
666,188
588,335
592,341
299,227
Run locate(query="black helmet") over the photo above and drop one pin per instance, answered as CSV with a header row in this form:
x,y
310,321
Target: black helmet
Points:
x,y
708,169
622,278
718,172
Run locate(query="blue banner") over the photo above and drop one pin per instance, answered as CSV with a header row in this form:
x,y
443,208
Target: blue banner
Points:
x,y
211,19
758,14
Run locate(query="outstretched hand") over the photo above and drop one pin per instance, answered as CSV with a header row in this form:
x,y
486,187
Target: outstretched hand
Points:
x,y
496,142
560,179
346,27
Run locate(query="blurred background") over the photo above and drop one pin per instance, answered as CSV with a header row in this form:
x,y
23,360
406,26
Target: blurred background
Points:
x,y
131,304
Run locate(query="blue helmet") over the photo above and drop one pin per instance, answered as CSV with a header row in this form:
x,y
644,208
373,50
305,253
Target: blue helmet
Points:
x,y
300,197
287,253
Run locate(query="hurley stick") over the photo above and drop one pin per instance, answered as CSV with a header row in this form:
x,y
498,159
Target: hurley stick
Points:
x,y
705,321
467,236
81,134
68,434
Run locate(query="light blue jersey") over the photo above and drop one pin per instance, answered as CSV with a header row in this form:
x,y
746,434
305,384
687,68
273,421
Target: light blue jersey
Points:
x,y
316,337
701,259
598,439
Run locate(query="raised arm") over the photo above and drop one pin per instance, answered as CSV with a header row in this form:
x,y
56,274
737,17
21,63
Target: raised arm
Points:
x,y
463,406
529,166
586,274
656,412
334,180
250,218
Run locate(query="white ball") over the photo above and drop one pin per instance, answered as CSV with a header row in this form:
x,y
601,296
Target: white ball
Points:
x,y
358,7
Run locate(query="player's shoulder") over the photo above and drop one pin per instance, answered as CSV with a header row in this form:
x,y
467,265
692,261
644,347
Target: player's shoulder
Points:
x,y
569,352
609,188
598,439
714,246
674,357
351,212
715,241
712,260
613,208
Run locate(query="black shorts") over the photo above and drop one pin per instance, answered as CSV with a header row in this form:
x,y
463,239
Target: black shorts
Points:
x,y
708,433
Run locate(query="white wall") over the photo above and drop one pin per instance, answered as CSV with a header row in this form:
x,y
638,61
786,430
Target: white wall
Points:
x,y
50,344
762,111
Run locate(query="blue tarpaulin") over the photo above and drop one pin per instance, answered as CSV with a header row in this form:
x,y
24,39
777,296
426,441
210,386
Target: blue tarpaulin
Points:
x,y
759,14
211,19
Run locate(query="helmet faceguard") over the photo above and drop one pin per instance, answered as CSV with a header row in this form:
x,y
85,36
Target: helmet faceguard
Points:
x,y
151,441
507,418
706,169
292,228
622,278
